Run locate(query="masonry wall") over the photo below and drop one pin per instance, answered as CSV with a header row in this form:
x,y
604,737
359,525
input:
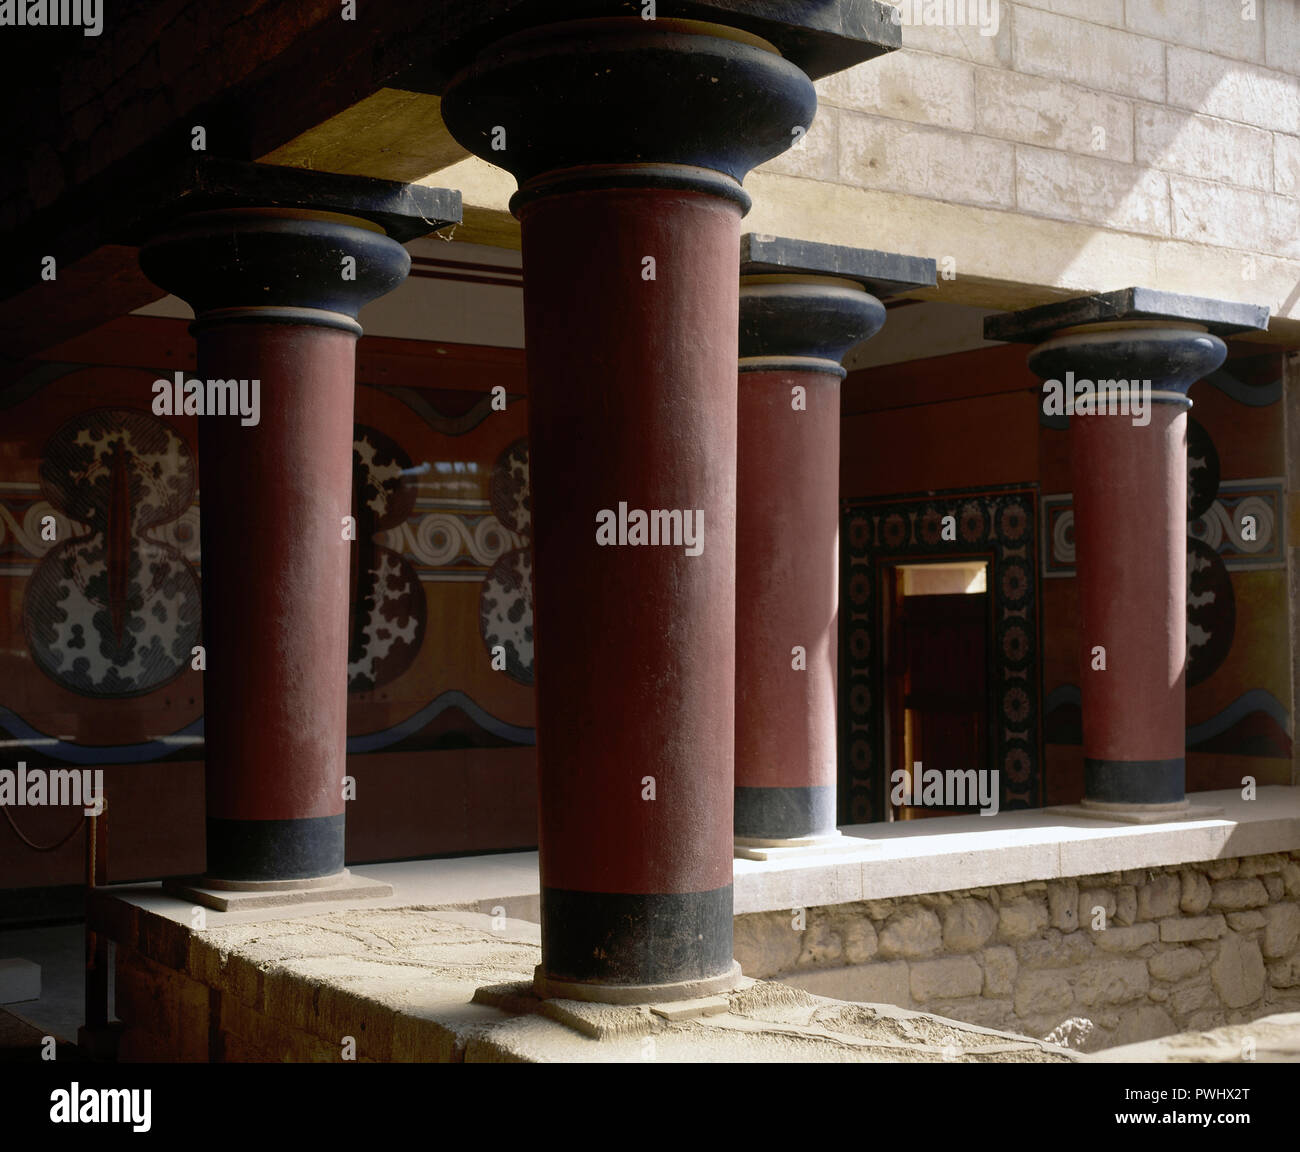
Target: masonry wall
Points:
x,y
1182,949
1089,144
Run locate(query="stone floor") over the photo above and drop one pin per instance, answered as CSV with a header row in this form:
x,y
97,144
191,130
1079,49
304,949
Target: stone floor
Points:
x,y
408,983
1268,1040
60,952
418,983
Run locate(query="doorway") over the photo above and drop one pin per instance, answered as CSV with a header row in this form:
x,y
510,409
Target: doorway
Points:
x,y
937,659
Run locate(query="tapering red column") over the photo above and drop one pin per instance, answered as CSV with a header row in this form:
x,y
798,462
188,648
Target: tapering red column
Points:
x,y
276,292
802,307
1120,365
629,139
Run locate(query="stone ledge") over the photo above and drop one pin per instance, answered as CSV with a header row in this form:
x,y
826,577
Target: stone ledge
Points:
x,y
880,861
914,857
408,984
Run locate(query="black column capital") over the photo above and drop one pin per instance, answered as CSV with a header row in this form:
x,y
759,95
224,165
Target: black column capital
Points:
x,y
1170,339
804,305
625,102
255,242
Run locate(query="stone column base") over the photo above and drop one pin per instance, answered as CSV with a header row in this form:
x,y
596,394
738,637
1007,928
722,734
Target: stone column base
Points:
x,y
239,895
755,848
548,989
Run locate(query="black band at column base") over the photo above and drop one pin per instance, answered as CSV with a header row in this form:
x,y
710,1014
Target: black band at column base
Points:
x,y
1135,781
617,938
785,813
275,849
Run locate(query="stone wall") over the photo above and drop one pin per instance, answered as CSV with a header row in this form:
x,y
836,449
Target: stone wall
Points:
x,y
1087,142
1183,948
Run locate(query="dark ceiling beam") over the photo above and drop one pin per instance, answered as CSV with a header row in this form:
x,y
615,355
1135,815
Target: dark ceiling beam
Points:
x,y
93,122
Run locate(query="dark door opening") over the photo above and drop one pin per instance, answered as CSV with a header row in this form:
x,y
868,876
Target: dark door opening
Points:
x,y
937,635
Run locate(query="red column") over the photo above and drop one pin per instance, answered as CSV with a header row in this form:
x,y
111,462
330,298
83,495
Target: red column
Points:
x,y
275,581
794,333
1120,365
276,294
787,593
636,682
629,139
1132,572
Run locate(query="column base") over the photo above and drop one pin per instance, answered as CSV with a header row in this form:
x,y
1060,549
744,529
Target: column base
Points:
x,y
239,895
1138,813
797,847
548,989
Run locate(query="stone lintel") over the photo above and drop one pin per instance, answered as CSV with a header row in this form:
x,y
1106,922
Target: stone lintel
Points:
x,y
1034,325
820,36
883,274
404,211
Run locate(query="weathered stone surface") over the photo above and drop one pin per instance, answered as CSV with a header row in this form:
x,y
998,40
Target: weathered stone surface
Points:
x,y
1282,929
1112,982
1285,973
1204,1021
1291,878
1090,899
947,978
166,1014
871,983
1039,993
1175,964
910,932
1249,921
896,156
1260,865
821,944
1021,919
766,944
1000,967
1052,45
968,925
985,1013
1193,998
1179,929
1063,905
1220,869
1196,892
1126,938
1238,972
859,937
1274,886
1239,893
1142,1022
1125,904
1055,950
1159,897
1173,140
